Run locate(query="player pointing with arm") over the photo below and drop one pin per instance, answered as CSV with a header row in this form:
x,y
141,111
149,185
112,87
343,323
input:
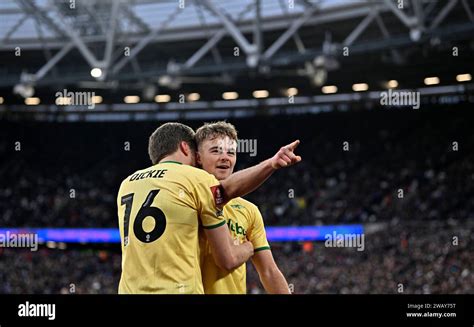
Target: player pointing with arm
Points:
x,y
217,155
161,207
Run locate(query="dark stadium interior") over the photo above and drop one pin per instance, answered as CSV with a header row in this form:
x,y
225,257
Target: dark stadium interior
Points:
x,y
389,149
403,172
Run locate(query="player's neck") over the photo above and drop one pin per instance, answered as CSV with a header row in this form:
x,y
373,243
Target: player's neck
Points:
x,y
174,158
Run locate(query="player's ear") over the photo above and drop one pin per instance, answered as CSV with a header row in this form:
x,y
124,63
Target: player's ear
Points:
x,y
184,147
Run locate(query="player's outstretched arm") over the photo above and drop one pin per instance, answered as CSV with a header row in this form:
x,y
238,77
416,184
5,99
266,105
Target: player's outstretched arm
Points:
x,y
227,255
271,277
249,179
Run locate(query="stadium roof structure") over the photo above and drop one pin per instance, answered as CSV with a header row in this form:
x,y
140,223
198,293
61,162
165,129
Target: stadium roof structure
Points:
x,y
175,47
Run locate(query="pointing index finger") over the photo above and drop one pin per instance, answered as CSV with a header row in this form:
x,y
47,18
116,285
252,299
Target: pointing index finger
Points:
x,y
293,145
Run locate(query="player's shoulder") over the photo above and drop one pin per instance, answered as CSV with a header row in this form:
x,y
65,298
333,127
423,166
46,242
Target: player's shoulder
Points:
x,y
125,183
241,203
196,174
249,210
135,173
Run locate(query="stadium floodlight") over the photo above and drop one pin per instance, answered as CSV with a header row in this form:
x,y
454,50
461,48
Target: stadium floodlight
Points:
x,y
260,94
252,60
96,72
319,61
319,77
392,84
172,82
431,80
160,98
230,95
292,91
97,99
130,99
63,101
24,90
463,77
329,89
360,87
415,34
32,101
194,96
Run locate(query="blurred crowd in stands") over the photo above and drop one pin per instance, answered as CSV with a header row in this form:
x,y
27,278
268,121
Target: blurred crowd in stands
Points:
x,y
413,258
411,170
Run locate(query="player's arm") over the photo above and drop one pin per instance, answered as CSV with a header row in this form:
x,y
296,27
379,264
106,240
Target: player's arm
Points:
x,y
227,255
271,277
247,180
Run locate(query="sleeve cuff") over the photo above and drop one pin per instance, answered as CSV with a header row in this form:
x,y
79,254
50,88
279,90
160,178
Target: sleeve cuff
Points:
x,y
215,226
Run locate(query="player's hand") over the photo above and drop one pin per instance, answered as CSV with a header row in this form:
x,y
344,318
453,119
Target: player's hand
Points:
x,y
286,157
249,247
246,244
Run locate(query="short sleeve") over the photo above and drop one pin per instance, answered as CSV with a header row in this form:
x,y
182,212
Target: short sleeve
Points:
x,y
209,196
257,234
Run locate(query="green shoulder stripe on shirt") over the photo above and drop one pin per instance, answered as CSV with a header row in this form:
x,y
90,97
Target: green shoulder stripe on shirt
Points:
x,y
175,162
261,248
215,226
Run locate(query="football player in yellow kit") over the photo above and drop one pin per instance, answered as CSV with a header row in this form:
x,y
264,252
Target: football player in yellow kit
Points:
x,y
160,209
217,154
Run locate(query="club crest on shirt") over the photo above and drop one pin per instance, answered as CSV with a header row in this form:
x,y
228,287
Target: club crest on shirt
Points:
x,y
217,194
237,206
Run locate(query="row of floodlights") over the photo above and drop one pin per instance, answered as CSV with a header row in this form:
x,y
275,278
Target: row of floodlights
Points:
x,y
257,94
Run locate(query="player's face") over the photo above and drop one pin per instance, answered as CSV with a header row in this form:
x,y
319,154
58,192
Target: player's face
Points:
x,y
218,156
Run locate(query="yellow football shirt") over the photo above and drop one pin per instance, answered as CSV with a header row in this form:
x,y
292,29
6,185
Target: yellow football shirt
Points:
x,y
245,222
160,209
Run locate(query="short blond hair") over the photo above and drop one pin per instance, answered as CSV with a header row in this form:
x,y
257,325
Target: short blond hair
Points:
x,y
210,131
